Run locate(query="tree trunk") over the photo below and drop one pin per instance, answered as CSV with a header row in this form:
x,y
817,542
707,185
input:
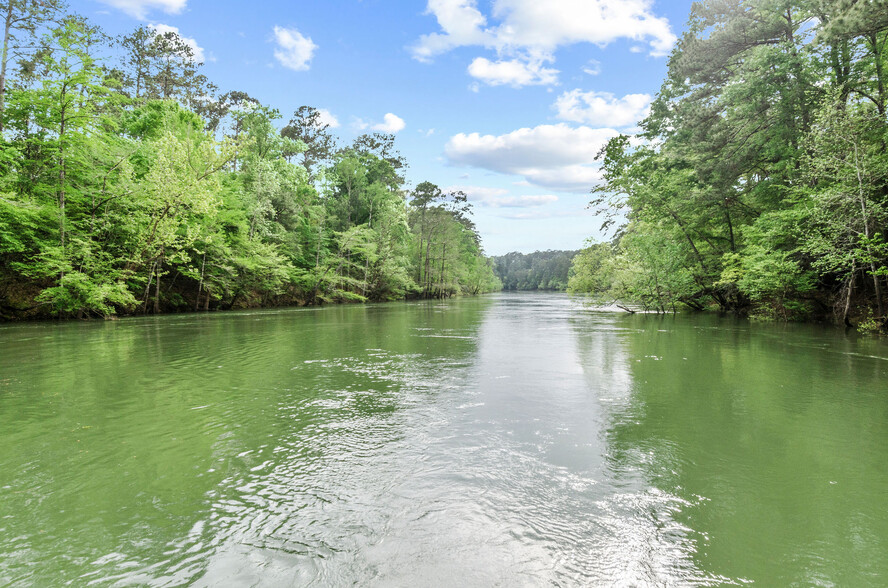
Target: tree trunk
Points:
x,y
880,79
320,243
427,282
7,34
421,235
847,309
148,288
730,230
443,259
203,265
157,286
366,276
62,179
866,231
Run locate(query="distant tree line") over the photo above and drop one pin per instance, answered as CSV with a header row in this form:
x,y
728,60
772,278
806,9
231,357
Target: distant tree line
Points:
x,y
541,270
760,181
130,184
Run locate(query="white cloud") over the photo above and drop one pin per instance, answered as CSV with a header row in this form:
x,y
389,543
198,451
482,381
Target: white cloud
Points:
x,y
140,8
602,108
558,157
325,117
294,51
526,215
500,198
548,25
478,193
198,54
514,72
524,201
534,30
461,22
593,68
391,124
541,215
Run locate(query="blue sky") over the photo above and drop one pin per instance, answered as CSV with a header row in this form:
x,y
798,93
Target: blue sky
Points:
x,y
508,100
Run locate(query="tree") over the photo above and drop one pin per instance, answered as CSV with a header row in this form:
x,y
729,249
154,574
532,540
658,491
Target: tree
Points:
x,y
541,270
21,20
849,173
761,168
138,51
308,128
68,101
117,197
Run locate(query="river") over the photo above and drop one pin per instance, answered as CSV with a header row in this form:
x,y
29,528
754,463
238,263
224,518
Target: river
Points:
x,y
506,440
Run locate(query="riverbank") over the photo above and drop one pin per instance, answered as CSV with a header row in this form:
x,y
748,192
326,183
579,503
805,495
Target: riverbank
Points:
x,y
25,308
758,181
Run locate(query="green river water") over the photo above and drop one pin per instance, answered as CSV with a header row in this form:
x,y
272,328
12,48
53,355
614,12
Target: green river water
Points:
x,y
507,440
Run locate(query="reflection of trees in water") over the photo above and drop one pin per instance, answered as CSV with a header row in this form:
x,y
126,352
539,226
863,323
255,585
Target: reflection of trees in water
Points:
x,y
771,434
148,442
643,518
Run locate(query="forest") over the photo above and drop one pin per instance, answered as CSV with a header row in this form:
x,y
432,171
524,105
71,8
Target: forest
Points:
x,y
759,181
131,184
540,270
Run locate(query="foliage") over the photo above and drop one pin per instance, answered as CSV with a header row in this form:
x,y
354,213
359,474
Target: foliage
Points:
x,y
541,270
447,245
129,186
760,179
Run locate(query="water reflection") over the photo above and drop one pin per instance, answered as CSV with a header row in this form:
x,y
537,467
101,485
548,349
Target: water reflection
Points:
x,y
774,436
136,451
515,440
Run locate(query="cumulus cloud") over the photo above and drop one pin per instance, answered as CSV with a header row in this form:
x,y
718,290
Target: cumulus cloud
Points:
x,y
500,198
325,117
531,31
461,23
513,72
294,51
140,8
198,55
548,25
558,157
391,124
602,108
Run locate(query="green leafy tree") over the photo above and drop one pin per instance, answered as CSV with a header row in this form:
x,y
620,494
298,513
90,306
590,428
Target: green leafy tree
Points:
x,y
21,21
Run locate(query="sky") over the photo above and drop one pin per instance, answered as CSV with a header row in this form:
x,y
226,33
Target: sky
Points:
x,y
506,100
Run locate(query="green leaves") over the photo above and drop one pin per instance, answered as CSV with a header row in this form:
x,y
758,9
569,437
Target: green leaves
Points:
x,y
114,198
762,176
